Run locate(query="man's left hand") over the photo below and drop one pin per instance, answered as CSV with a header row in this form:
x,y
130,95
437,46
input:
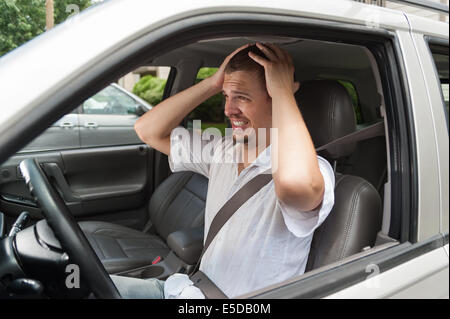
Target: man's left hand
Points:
x,y
279,69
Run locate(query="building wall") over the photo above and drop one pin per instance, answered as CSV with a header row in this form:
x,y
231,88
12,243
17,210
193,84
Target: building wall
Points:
x,y
420,12
411,9
129,80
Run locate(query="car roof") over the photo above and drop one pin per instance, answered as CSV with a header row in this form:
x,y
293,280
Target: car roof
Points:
x,y
52,60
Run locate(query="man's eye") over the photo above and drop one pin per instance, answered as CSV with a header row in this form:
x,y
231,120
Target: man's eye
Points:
x,y
243,98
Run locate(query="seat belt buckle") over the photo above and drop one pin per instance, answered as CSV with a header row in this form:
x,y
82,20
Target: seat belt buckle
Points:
x,y
156,260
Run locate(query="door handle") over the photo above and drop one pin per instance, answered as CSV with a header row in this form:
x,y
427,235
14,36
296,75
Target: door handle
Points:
x,y
90,125
66,125
53,170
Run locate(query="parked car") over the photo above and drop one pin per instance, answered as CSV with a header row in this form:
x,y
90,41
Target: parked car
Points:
x,y
107,118
114,207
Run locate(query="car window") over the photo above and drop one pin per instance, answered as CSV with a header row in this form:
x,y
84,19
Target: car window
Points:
x,y
110,100
107,118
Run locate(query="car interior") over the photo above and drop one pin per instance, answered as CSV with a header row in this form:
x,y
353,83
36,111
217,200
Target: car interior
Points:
x,y
144,221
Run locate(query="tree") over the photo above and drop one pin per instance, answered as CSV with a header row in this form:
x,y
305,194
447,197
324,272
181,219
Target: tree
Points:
x,y
211,110
150,88
22,20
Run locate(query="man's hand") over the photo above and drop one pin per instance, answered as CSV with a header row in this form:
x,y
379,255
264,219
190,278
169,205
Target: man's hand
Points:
x,y
279,69
218,77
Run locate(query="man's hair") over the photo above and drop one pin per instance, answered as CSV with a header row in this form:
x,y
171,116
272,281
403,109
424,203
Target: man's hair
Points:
x,y
242,62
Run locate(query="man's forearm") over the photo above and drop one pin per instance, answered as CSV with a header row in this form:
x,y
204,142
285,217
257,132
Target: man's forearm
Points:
x,y
297,175
154,127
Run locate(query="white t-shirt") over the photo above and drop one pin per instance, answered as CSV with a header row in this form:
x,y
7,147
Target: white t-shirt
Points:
x,y
264,242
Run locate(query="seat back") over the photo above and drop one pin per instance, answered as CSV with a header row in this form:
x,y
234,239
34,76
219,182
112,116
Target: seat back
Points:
x,y
178,203
353,222
356,216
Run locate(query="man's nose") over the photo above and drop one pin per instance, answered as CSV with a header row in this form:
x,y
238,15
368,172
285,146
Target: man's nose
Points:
x,y
231,108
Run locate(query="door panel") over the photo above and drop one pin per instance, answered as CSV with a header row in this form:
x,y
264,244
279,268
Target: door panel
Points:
x,y
107,179
14,194
110,183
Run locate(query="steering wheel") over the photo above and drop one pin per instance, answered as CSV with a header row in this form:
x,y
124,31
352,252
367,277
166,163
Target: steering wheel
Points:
x,y
66,229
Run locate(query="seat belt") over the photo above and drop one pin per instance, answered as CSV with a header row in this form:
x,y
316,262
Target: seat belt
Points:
x,y
366,133
200,280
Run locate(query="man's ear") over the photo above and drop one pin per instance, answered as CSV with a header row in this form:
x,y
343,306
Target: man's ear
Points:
x,y
296,86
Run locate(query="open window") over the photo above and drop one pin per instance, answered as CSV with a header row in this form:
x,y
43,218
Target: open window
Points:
x,y
364,69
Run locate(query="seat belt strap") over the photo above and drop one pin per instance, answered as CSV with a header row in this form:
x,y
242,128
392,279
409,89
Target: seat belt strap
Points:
x,y
232,205
200,280
366,133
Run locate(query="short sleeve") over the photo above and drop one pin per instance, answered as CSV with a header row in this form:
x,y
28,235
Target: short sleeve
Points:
x,y
303,224
190,152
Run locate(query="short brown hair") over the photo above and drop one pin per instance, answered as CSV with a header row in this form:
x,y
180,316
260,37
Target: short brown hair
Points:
x,y
241,61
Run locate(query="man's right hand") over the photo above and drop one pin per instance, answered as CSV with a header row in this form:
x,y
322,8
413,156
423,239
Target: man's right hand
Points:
x,y
218,77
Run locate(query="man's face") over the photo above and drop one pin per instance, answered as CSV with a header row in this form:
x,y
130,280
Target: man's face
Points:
x,y
247,103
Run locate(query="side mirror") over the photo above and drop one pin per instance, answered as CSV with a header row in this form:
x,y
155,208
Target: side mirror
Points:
x,y
140,110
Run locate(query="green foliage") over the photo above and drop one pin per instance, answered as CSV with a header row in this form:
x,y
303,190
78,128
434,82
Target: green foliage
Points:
x,y
352,91
65,8
211,110
150,88
22,20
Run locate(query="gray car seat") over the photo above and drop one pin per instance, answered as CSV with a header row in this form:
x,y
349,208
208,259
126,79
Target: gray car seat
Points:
x,y
178,203
356,216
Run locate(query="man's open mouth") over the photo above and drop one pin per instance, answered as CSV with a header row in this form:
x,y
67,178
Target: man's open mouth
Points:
x,y
242,124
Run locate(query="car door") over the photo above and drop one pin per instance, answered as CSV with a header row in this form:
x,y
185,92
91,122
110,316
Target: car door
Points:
x,y
93,156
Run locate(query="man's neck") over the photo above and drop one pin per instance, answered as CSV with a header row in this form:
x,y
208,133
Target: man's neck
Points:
x,y
250,153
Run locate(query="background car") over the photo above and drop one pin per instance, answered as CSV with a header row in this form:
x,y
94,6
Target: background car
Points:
x,y
107,118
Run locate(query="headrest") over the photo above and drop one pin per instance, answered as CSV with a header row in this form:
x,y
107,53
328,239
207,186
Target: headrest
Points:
x,y
328,112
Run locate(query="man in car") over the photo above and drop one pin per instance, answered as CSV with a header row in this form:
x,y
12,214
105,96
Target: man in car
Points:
x,y
268,239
